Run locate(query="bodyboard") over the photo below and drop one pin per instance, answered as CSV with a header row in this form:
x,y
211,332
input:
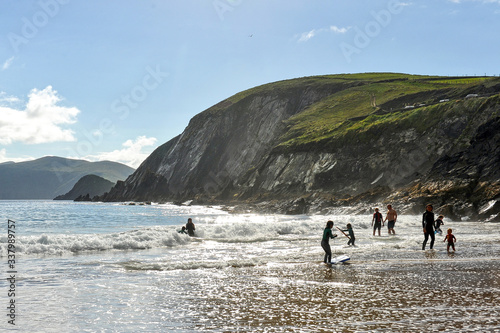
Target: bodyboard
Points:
x,y
339,259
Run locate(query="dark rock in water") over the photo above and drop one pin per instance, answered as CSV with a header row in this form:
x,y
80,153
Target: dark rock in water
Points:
x,y
322,144
85,197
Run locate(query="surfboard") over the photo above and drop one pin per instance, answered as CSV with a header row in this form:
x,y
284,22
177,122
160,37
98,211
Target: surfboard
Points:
x,y
343,232
339,259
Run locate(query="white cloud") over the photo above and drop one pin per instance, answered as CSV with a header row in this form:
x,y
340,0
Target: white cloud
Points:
x,y
305,36
339,30
6,99
131,154
7,63
40,122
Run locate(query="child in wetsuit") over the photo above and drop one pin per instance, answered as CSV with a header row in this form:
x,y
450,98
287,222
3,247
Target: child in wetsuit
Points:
x,y
351,234
451,240
439,222
327,234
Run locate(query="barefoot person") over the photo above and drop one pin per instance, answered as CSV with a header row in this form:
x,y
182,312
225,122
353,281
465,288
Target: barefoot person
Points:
x,y
451,240
391,217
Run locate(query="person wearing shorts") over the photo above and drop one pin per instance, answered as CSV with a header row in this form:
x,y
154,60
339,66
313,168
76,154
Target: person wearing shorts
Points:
x,y
451,240
391,217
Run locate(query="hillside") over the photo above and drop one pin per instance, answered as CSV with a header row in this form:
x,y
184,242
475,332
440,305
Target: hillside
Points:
x,y
317,144
90,185
50,176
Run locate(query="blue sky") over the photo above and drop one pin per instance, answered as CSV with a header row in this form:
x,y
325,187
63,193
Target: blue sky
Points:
x,y
114,79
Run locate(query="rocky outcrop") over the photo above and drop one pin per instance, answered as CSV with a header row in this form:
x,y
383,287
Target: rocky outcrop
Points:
x,y
257,149
466,183
86,188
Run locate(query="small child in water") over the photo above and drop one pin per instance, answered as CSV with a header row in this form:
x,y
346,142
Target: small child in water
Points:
x,y
438,223
451,240
351,234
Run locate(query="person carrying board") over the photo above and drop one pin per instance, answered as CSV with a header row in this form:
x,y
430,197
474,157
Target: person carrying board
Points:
x,y
327,235
351,234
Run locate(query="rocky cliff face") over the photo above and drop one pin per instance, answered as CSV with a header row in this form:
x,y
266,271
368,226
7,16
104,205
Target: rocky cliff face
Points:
x,y
237,151
219,146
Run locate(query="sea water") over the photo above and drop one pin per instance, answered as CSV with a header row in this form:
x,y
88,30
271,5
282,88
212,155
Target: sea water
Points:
x,y
110,267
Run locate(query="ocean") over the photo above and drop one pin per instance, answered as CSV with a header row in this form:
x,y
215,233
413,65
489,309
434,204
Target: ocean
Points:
x,y
111,267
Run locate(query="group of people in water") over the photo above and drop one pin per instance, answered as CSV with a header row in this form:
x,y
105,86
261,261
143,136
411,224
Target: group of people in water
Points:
x,y
430,226
188,229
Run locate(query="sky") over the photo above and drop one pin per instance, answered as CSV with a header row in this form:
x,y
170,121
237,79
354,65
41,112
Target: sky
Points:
x,y
115,79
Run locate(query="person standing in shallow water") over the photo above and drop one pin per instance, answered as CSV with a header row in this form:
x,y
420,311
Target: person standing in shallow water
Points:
x,y
428,226
190,227
377,221
391,218
327,234
351,234
451,240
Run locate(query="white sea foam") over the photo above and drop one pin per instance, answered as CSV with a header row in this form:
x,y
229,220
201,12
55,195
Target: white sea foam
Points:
x,y
56,244
267,235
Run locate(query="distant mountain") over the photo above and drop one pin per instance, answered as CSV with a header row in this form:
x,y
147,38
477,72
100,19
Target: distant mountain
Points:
x,y
50,176
89,185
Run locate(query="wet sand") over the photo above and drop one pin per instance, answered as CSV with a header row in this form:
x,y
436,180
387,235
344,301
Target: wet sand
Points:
x,y
450,295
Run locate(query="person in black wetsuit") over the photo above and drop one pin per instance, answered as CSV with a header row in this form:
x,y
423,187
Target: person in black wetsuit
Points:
x,y
377,221
327,234
428,226
438,223
190,227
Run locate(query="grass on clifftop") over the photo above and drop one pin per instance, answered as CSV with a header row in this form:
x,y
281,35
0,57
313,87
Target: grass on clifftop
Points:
x,y
352,109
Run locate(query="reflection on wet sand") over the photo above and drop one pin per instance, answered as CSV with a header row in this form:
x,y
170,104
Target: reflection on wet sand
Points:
x,y
385,296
